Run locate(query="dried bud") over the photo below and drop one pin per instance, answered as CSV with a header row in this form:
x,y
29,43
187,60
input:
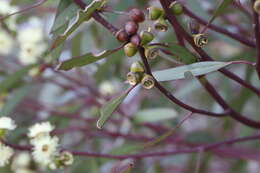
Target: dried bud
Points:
x,y
176,7
122,36
155,13
137,67
146,37
131,27
161,25
194,27
147,81
200,40
133,78
152,52
135,39
130,49
257,6
137,15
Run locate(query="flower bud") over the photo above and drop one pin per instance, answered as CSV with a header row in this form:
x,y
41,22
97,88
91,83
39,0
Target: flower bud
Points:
x,y
133,78
161,25
135,39
200,40
131,27
194,27
155,13
176,7
122,36
257,6
137,67
146,37
137,15
147,81
130,49
151,52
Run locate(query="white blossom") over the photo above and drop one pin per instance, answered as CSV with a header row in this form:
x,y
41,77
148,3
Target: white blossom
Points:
x,y
21,160
7,123
30,35
44,149
40,128
5,9
5,154
30,52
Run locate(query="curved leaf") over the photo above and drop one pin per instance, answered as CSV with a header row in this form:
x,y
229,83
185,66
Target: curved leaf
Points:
x,y
107,110
85,59
196,69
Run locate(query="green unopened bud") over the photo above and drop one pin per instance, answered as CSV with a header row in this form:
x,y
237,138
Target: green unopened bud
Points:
x,y
155,13
146,37
133,78
161,25
176,7
62,160
152,52
257,6
147,81
130,49
137,67
200,40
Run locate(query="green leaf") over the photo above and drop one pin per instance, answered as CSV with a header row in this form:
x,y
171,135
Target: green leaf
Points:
x,y
219,10
155,115
85,59
196,69
14,100
13,78
82,16
182,54
107,110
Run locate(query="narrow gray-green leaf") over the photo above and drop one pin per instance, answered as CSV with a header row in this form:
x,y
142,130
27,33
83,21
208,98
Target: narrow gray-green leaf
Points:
x,y
107,110
154,115
82,16
14,100
196,69
85,59
13,78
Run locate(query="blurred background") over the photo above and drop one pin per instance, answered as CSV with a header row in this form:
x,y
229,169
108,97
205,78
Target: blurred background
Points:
x,y
71,100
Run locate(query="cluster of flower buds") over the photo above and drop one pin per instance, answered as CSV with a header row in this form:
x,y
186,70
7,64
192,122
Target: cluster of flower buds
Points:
x,y
137,75
130,33
158,15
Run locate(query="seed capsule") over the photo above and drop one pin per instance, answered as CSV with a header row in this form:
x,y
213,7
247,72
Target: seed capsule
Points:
x,y
137,67
131,27
161,25
147,81
176,7
194,27
135,39
137,15
122,36
200,40
257,6
152,52
130,49
155,13
146,37
133,78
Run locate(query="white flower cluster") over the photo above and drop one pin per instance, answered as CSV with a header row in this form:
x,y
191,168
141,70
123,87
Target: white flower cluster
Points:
x,y
45,147
6,152
30,35
22,163
31,41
